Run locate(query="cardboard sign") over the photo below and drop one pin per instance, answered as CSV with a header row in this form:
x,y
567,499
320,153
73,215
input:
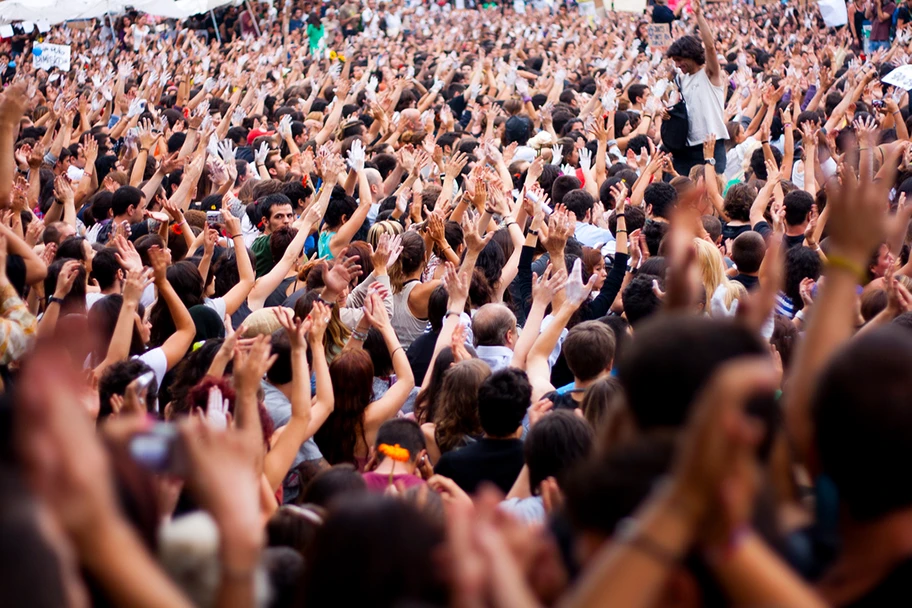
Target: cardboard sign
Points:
x,y
901,77
51,56
659,35
630,6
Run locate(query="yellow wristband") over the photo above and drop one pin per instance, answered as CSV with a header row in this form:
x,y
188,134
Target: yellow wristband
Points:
x,y
837,262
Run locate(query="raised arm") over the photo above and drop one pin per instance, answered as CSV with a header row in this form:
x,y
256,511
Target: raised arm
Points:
x,y
713,69
175,347
386,407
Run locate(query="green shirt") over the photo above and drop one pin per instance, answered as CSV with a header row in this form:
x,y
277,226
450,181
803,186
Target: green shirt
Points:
x,y
264,261
315,35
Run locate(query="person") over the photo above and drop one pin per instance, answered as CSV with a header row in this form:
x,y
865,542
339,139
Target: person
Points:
x,y
494,330
275,211
662,13
498,456
880,14
315,33
392,470
701,87
747,252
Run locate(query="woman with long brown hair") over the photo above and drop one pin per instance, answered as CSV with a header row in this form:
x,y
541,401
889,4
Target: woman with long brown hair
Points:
x,y
351,429
454,419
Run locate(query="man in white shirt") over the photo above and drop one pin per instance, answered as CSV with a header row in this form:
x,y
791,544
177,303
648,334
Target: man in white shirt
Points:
x,y
703,89
580,202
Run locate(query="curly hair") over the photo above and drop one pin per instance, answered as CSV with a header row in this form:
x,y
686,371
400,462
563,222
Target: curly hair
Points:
x,y
687,47
738,201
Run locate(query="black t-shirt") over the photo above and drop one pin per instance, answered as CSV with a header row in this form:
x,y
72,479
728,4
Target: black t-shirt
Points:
x,y
748,281
789,241
498,461
733,232
419,354
894,590
662,14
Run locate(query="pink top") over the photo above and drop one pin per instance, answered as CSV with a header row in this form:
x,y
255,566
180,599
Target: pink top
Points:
x,y
378,482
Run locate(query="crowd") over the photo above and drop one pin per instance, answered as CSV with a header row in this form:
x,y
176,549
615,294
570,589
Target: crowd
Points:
x,y
391,304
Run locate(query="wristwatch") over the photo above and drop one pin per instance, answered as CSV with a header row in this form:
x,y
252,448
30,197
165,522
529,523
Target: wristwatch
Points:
x,y
710,161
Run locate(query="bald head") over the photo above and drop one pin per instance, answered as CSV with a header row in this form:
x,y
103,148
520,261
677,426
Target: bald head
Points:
x,y
492,325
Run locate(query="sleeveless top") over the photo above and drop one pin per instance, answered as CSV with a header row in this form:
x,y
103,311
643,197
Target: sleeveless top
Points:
x,y
323,245
705,108
408,327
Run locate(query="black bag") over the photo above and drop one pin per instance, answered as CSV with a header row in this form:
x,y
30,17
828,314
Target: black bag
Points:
x,y
676,126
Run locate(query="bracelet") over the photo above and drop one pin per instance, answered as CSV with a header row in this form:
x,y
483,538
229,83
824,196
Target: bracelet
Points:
x,y
402,348
863,149
359,336
838,262
648,116
787,125
765,143
54,300
620,215
533,232
620,230
451,313
234,236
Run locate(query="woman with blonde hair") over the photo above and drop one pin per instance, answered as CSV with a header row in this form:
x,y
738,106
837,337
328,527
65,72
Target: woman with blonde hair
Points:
x,y
454,416
721,293
380,228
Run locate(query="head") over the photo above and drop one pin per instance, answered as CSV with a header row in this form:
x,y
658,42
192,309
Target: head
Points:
x,y
670,359
748,250
557,443
639,298
589,350
687,53
738,201
352,374
128,204
455,413
503,400
862,398
797,208
660,198
494,325
579,202
406,434
114,381
276,211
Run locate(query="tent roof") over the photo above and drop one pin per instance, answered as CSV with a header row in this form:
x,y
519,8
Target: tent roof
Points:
x,y
57,11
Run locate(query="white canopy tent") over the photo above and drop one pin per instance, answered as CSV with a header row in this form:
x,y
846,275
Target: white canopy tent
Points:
x,y
58,11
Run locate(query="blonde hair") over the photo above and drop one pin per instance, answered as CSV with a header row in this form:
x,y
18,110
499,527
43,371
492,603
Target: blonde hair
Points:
x,y
380,228
712,267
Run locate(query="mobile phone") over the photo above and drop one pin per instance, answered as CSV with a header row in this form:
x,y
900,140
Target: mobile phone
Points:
x,y
160,450
878,103
213,217
143,382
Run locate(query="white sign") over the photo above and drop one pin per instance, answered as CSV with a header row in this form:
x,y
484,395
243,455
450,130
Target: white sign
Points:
x,y
519,6
630,6
901,77
586,8
51,56
834,12
6,31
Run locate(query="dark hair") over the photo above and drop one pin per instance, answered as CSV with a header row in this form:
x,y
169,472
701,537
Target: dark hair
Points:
x,y
333,483
362,541
758,162
561,186
404,433
188,373
290,526
634,216
125,197
800,263
589,350
71,247
661,197
687,47
639,299
339,207
748,250
559,442
862,400
105,268
579,202
738,202
670,360
280,372
186,280
114,381
503,400
75,301
375,346
265,204
654,232
797,206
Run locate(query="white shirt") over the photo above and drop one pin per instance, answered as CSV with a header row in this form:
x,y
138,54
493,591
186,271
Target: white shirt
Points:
x,y
497,357
591,235
705,107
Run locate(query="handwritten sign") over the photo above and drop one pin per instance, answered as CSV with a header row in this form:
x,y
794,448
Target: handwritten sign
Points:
x,y
901,77
659,35
51,56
